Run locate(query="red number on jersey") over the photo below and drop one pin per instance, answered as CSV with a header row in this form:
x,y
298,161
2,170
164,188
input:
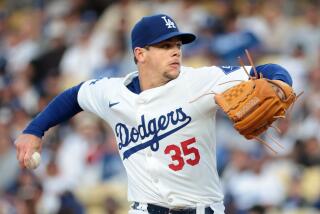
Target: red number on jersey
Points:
x,y
177,156
190,150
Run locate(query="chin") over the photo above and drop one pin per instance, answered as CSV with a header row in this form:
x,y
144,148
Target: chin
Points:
x,y
173,74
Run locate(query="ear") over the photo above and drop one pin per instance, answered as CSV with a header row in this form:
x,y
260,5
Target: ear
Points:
x,y
139,54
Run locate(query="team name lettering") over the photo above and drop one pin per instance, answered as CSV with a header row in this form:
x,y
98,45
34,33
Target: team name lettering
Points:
x,y
151,128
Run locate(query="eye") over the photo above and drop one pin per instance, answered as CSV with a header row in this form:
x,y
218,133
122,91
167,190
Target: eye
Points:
x,y
165,46
168,45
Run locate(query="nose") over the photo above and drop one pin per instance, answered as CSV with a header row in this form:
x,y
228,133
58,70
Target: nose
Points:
x,y
177,51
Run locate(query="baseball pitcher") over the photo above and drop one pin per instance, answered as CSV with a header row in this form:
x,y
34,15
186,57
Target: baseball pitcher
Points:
x,y
163,120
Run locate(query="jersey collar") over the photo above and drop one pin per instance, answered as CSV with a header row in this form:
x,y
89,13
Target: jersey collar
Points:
x,y
132,82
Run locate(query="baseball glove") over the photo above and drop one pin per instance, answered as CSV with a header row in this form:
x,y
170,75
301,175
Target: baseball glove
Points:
x,y
253,105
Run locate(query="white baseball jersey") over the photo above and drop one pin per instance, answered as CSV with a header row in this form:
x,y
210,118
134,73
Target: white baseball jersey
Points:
x,y
166,141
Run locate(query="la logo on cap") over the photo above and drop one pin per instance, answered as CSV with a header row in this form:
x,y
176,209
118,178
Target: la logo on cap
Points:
x,y
151,30
169,23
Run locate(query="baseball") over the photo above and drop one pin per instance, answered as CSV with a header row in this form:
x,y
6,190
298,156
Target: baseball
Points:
x,y
34,161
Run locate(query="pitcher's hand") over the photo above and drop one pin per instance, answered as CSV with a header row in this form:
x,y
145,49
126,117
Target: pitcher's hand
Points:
x,y
26,145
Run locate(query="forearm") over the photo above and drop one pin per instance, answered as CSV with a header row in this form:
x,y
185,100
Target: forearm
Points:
x,y
60,109
273,72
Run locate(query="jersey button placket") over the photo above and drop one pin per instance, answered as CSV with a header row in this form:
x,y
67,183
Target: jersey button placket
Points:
x,y
149,161
152,166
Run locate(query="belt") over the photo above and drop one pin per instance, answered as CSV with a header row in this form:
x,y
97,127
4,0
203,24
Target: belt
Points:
x,y
155,209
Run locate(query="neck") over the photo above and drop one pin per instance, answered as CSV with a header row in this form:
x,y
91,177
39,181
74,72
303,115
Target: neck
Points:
x,y
149,79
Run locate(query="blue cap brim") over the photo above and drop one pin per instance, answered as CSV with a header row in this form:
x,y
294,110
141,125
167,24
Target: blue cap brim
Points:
x,y
184,37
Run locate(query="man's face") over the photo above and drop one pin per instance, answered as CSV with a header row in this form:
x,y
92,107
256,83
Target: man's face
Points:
x,y
165,58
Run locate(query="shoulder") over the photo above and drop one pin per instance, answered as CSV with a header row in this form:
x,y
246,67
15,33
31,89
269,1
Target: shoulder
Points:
x,y
205,72
213,76
96,92
113,82
201,69
101,83
211,69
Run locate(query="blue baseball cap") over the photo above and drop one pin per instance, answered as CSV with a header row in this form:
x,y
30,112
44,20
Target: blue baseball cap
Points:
x,y
151,30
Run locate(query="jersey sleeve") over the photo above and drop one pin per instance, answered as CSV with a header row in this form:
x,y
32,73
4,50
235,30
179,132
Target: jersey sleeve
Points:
x,y
269,71
61,108
217,79
93,96
229,79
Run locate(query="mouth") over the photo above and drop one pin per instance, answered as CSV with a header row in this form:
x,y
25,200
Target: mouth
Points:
x,y
175,64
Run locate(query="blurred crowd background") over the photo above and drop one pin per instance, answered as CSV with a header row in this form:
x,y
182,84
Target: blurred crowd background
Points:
x,y
47,46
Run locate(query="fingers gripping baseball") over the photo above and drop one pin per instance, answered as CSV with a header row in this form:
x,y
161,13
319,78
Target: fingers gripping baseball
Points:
x,y
28,151
34,161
